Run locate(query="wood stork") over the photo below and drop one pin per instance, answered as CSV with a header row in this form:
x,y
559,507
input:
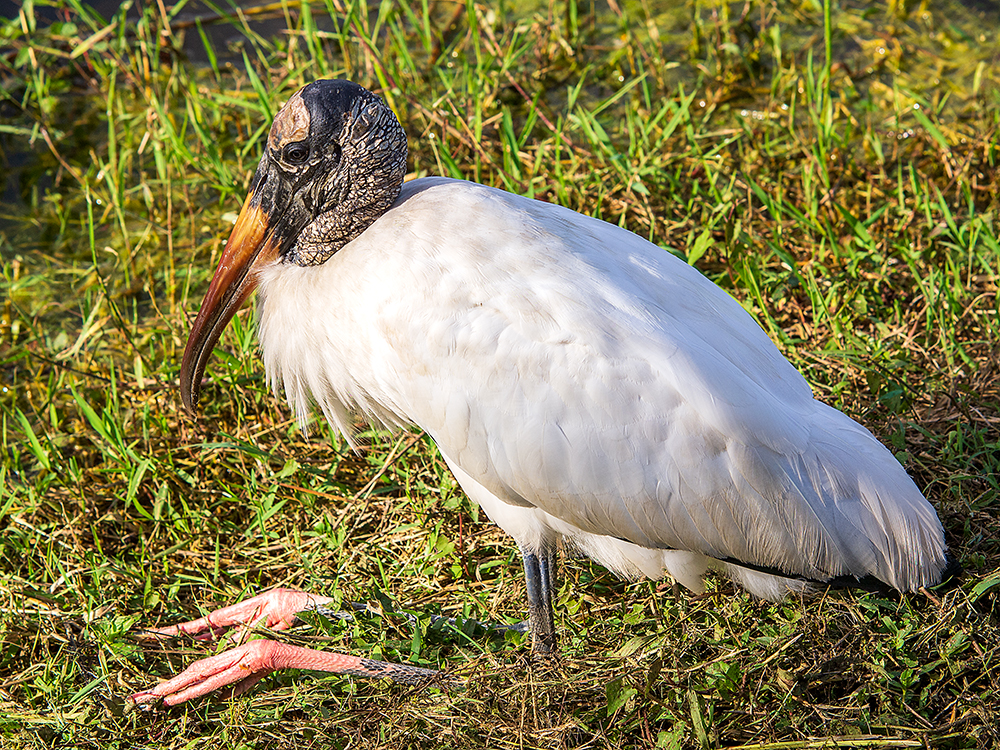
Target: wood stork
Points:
x,y
580,382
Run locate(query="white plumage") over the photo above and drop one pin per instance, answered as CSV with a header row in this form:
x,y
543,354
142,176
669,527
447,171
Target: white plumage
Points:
x,y
580,382
583,382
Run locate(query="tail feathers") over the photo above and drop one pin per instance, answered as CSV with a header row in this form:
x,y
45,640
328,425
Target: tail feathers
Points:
x,y
854,512
774,585
689,569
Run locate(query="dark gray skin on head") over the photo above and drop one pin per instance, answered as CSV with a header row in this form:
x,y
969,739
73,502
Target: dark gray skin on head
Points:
x,y
323,188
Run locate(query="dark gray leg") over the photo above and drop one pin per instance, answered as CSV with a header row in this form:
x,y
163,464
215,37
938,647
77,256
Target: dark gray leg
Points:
x,y
540,577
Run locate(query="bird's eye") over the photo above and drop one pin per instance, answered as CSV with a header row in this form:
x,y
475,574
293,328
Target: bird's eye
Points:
x,y
295,153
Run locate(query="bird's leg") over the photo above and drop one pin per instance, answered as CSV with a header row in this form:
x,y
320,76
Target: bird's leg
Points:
x,y
540,578
277,610
248,663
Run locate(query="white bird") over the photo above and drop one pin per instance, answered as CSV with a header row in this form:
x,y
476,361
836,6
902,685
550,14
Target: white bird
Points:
x,y
581,382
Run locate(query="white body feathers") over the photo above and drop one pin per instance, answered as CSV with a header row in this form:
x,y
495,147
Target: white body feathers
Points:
x,y
583,382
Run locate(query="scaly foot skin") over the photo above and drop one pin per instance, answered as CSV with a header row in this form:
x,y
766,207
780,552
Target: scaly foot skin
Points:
x,y
275,610
244,666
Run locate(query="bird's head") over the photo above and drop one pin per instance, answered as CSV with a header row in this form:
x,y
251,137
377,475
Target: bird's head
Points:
x,y
334,163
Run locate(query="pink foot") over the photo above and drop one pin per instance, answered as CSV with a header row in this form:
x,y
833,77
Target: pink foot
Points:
x,y
275,609
244,666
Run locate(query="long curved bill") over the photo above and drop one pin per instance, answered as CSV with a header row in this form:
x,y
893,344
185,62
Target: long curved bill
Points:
x,y
251,245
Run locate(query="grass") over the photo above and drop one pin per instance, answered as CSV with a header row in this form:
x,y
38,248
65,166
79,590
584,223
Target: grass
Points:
x,y
839,179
